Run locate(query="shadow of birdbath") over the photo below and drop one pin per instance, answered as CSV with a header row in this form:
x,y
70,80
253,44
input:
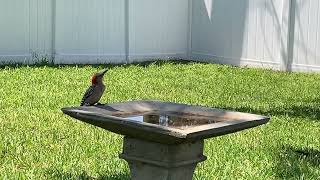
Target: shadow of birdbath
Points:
x,y
164,140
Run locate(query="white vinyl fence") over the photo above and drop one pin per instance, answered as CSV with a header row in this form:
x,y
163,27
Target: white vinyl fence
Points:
x,y
278,34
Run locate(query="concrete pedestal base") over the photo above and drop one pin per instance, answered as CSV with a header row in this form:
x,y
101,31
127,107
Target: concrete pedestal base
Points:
x,y
155,161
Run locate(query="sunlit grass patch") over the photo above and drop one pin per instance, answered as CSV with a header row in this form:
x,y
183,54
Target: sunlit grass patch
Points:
x,y
39,142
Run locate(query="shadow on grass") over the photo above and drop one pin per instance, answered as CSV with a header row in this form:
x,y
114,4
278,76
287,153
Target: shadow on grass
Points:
x,y
142,64
311,155
84,176
309,110
296,163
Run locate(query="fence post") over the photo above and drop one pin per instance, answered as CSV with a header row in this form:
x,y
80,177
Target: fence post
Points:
x,y
287,34
292,20
189,35
53,24
126,31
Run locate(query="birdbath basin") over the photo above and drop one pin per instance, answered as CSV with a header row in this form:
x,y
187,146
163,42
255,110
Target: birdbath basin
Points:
x,y
164,140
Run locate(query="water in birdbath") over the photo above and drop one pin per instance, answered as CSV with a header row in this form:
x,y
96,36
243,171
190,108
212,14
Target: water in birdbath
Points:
x,y
165,122
171,119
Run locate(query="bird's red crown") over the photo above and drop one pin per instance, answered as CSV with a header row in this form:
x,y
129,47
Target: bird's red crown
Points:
x,y
94,79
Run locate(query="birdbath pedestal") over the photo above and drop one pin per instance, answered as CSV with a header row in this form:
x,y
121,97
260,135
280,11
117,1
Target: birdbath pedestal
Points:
x,y
162,140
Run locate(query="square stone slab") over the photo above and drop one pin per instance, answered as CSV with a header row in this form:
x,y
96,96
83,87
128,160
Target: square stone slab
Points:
x,y
165,122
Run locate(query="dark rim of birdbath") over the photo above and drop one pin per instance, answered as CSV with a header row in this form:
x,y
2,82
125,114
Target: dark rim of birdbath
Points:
x,y
112,117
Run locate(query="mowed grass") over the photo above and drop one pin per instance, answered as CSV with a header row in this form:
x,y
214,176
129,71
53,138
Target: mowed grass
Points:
x,y
37,141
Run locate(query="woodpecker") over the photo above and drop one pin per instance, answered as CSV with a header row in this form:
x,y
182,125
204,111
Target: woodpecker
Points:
x,y
95,91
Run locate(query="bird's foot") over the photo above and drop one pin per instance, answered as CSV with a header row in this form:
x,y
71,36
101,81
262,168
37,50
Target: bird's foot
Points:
x,y
99,104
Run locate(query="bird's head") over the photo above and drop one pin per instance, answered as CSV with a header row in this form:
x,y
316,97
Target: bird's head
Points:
x,y
98,77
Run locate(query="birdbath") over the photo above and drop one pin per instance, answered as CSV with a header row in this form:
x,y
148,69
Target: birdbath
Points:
x,y
163,140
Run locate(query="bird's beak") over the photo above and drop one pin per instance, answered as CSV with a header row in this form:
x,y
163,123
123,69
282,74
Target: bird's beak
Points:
x,y
104,72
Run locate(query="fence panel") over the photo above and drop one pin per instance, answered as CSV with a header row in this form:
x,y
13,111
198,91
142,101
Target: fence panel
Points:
x,y
243,32
25,30
306,38
158,29
90,31
266,33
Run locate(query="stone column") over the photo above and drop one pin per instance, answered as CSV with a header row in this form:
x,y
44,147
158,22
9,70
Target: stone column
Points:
x,y
154,161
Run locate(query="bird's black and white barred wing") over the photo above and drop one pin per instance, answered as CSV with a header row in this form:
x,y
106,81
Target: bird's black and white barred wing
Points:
x,y
87,94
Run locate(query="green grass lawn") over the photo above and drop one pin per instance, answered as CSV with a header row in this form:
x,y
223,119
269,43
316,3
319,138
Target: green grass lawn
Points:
x,y
37,141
